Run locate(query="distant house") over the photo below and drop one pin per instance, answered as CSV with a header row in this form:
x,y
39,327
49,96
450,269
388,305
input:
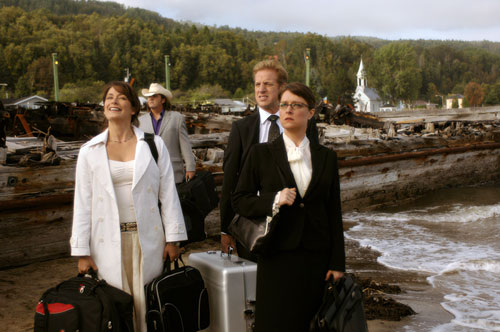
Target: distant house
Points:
x,y
388,108
26,102
229,105
367,99
450,98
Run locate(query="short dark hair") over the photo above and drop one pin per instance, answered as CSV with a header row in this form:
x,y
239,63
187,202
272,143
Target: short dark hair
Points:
x,y
300,90
127,91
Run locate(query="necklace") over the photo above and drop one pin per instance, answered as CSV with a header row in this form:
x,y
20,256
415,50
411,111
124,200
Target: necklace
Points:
x,y
125,140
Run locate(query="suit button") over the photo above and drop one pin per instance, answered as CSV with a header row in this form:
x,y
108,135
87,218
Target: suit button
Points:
x,y
301,205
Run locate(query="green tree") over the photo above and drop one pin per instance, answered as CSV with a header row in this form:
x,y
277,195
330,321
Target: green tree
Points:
x,y
395,72
83,92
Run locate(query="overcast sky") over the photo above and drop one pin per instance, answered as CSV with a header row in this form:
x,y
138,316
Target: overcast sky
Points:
x,y
388,19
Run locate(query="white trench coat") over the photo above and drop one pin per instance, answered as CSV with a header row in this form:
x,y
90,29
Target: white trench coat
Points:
x,y
96,224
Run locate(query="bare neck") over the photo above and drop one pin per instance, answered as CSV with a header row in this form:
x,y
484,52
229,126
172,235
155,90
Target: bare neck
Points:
x,y
119,131
297,136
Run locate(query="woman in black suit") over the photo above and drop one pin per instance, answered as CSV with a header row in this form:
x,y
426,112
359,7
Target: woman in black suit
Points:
x,y
299,181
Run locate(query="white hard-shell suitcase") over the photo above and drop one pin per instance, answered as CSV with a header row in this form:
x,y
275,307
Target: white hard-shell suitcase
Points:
x,y
231,284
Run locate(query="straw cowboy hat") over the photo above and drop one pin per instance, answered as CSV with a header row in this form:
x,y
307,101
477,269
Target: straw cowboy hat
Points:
x,y
157,89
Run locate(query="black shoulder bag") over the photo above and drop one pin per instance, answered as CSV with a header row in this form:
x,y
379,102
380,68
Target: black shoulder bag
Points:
x,y
254,233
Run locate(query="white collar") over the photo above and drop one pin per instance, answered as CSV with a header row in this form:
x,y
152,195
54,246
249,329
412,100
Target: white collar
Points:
x,y
102,138
265,114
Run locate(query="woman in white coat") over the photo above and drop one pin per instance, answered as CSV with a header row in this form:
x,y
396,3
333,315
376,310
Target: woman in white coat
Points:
x,y
118,228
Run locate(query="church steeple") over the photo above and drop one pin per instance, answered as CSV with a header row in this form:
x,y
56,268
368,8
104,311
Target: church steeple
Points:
x,y
361,74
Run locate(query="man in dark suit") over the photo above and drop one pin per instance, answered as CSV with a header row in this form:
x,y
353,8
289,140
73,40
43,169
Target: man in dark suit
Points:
x,y
260,127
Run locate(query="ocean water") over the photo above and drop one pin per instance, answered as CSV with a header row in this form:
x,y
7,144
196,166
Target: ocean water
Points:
x,y
453,236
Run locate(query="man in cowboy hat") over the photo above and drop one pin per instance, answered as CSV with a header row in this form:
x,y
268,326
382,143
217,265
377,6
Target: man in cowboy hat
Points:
x,y
171,127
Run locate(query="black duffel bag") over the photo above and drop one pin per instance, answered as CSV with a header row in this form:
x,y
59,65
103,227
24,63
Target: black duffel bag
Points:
x,y
85,304
198,197
342,308
177,300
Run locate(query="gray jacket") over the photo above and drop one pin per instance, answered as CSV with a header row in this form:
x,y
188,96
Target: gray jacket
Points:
x,y
174,133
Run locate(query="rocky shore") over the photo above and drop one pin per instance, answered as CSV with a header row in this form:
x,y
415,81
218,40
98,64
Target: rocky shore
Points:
x,y
392,298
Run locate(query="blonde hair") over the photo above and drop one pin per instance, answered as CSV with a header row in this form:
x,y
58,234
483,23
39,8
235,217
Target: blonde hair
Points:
x,y
272,65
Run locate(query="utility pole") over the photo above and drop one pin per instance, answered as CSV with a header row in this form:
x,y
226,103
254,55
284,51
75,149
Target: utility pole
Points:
x,y
55,63
4,86
167,72
307,58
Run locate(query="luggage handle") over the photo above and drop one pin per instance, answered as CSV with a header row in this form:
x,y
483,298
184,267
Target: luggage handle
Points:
x,y
166,264
89,274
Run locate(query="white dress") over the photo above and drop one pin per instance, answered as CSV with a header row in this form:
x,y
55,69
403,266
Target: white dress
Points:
x,y
122,174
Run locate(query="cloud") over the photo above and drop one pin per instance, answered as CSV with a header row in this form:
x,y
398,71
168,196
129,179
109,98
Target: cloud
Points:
x,y
394,19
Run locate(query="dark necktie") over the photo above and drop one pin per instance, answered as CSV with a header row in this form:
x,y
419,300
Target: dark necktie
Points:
x,y
274,130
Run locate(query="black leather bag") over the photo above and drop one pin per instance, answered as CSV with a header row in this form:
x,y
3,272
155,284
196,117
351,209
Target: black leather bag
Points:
x,y
342,308
177,300
255,234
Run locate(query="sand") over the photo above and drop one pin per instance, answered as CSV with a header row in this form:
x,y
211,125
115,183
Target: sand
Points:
x,y
21,287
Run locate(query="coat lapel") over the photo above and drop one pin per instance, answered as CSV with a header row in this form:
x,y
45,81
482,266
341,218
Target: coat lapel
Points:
x,y
142,157
167,117
318,165
278,152
100,156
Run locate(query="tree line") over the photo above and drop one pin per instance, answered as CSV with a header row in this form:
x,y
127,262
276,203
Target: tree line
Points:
x,y
95,42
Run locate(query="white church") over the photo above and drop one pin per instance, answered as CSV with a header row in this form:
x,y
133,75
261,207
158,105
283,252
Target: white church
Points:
x,y
366,99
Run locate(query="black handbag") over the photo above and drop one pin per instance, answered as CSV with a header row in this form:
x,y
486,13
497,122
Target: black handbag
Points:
x,y
342,308
254,233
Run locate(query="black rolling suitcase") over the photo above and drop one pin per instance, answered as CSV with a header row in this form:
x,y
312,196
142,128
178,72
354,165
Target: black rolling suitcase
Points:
x,y
85,304
177,301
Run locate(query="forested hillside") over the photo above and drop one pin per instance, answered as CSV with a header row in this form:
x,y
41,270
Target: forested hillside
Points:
x,y
96,41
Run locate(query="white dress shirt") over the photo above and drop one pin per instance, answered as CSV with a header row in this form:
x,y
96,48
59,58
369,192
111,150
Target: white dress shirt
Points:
x,y
265,124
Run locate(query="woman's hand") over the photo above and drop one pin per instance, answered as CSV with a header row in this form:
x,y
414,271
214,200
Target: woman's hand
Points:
x,y
287,196
172,250
336,275
85,263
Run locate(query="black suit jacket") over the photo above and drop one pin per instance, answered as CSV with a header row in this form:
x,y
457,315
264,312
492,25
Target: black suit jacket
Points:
x,y
244,134
313,222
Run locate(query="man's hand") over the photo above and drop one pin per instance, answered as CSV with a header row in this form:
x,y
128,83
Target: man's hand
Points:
x,y
85,263
287,196
227,240
189,175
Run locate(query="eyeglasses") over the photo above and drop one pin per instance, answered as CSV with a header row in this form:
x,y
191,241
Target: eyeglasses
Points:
x,y
294,106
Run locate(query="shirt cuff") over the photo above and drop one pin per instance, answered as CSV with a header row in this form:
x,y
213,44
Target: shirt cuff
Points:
x,y
276,207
